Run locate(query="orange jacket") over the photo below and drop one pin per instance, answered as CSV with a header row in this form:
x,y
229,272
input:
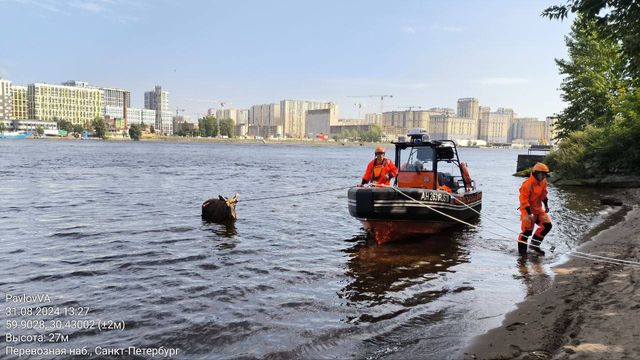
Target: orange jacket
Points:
x,y
378,172
532,194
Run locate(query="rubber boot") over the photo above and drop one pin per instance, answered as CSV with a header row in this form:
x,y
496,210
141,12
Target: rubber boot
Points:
x,y
535,245
522,249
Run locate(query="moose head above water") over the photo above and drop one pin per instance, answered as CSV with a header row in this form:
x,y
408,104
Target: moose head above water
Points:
x,y
221,210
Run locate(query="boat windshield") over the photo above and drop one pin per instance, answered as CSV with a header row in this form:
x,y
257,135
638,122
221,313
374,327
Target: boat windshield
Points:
x,y
417,159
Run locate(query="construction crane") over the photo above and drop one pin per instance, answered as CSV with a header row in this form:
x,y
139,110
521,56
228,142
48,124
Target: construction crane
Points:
x,y
358,106
375,96
409,107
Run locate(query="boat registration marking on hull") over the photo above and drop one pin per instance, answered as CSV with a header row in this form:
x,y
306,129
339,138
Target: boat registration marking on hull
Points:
x,y
435,196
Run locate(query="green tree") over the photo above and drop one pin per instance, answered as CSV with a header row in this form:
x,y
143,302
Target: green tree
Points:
x,y
65,125
208,126
78,128
40,130
152,129
184,129
135,132
617,19
594,78
227,127
2,126
373,135
100,128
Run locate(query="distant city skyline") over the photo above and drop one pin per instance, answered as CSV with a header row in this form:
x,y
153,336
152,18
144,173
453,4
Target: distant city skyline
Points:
x,y
425,54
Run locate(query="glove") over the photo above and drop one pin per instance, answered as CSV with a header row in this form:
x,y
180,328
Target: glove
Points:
x,y
389,176
546,209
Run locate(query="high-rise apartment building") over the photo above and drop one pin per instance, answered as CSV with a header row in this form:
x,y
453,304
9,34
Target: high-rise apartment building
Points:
x,y
469,108
293,114
6,100
141,116
238,116
158,100
493,127
319,122
79,105
446,127
264,120
20,104
116,101
395,123
529,131
373,118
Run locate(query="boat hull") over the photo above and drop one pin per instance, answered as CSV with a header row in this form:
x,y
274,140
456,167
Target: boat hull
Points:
x,y
389,215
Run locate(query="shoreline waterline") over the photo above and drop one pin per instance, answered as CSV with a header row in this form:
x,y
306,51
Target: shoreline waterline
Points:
x,y
589,308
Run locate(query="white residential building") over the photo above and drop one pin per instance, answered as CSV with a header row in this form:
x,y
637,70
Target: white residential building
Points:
x,y
293,114
238,116
158,100
139,116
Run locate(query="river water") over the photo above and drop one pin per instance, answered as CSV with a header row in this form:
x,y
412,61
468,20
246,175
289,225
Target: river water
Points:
x,y
115,228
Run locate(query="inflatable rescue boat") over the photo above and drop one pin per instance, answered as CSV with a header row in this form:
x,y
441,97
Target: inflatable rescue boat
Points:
x,y
432,192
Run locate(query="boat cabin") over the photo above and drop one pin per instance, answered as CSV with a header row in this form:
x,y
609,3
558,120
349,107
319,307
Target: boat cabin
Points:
x,y
420,162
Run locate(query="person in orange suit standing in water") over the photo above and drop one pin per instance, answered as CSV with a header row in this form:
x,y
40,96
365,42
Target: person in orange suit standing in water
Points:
x,y
533,194
380,170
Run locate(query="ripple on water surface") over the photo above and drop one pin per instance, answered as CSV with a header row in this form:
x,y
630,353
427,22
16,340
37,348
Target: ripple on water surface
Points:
x,y
116,227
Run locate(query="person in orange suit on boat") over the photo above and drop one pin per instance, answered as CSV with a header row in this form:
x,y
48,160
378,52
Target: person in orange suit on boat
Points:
x,y
533,194
380,170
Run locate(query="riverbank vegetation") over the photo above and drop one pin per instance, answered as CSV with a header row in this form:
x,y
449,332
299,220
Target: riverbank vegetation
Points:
x,y
374,134
208,127
600,128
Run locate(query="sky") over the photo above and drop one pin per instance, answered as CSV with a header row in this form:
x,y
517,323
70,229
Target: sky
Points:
x,y
248,52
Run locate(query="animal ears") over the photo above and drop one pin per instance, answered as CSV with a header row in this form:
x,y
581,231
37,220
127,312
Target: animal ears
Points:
x,y
236,197
221,198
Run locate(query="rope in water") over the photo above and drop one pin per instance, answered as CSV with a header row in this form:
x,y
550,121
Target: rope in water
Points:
x,y
298,194
577,254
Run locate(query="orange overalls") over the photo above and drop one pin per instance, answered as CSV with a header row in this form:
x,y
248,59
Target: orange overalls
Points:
x,y
378,172
532,195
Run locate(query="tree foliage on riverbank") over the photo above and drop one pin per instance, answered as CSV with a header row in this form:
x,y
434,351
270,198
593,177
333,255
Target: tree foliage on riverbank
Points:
x,y
600,128
374,134
135,132
208,127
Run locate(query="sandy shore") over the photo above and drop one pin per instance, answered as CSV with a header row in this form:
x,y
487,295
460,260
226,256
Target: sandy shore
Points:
x,y
592,310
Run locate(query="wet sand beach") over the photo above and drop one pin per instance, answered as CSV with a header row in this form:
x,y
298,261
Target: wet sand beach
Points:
x,y
591,311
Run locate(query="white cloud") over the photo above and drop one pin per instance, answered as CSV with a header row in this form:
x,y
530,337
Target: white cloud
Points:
x,y
409,30
446,28
501,81
88,6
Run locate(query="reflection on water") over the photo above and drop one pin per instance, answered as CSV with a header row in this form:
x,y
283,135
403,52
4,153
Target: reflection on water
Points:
x,y
398,275
222,230
279,283
533,274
